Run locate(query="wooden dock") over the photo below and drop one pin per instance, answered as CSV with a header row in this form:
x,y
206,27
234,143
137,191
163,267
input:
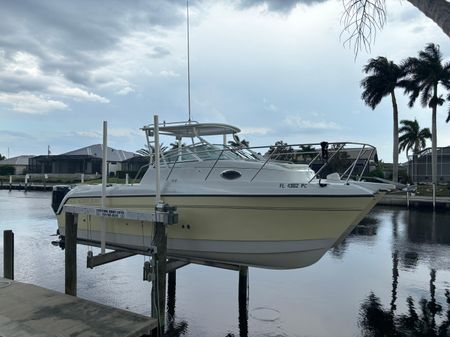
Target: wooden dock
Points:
x,y
30,311
28,187
415,201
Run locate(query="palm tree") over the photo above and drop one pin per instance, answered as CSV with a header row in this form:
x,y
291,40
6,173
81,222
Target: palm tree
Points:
x,y
424,75
384,77
436,10
412,137
147,151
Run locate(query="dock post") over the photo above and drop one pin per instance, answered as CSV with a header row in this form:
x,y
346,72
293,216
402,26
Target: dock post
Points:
x,y
243,300
10,183
159,284
8,254
71,254
127,178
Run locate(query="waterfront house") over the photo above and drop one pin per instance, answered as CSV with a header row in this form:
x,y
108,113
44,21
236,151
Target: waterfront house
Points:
x,y
86,160
19,164
419,166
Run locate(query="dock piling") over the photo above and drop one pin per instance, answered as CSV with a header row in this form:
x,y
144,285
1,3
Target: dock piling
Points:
x,y
71,227
8,254
159,259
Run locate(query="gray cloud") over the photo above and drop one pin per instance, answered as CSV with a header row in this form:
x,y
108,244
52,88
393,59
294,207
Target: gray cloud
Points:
x,y
11,136
159,52
65,43
283,6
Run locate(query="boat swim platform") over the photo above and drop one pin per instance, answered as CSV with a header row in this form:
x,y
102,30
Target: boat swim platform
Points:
x,y
30,311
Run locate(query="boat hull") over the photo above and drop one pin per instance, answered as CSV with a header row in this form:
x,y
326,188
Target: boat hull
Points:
x,y
262,231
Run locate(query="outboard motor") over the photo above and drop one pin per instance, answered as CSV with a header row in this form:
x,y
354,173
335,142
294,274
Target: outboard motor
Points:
x,y
59,191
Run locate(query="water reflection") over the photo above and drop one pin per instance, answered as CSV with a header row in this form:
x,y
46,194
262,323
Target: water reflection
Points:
x,y
396,262
414,235
243,314
367,228
429,319
428,227
174,328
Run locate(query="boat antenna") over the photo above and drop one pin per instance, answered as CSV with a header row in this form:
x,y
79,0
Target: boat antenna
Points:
x,y
188,62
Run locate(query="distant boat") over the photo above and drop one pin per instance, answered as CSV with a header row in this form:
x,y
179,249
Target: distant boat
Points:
x,y
235,206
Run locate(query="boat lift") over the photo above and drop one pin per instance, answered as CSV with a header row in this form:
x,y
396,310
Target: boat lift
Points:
x,y
153,271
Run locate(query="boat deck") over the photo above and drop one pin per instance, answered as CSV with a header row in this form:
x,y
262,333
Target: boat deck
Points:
x,y
30,311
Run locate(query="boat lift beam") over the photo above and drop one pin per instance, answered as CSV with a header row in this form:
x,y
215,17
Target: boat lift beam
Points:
x,y
168,216
98,260
221,265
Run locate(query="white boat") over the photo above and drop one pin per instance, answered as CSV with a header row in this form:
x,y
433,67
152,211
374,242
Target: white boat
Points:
x,y
235,206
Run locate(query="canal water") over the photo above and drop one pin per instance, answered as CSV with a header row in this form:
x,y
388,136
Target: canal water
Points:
x,y
390,277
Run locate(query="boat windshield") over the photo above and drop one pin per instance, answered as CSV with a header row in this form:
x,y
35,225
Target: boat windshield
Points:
x,y
204,152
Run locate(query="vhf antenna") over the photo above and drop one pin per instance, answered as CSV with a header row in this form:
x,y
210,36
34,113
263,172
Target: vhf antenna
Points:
x,y
188,61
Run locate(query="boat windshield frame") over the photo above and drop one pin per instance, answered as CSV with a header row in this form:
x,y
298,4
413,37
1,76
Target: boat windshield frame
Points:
x,y
199,149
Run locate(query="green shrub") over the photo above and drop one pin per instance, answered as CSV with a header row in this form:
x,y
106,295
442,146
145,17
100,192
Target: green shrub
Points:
x,y
376,173
7,170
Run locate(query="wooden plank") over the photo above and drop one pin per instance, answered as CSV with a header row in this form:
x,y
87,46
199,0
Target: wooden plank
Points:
x,y
30,311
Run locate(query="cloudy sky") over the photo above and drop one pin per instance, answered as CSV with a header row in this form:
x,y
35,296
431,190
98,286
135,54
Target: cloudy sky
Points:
x,y
277,69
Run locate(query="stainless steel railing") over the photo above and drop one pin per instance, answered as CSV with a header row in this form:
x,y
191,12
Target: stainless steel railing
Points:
x,y
353,159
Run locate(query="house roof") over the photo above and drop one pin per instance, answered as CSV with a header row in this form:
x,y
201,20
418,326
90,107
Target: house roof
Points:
x,y
96,150
19,160
445,150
